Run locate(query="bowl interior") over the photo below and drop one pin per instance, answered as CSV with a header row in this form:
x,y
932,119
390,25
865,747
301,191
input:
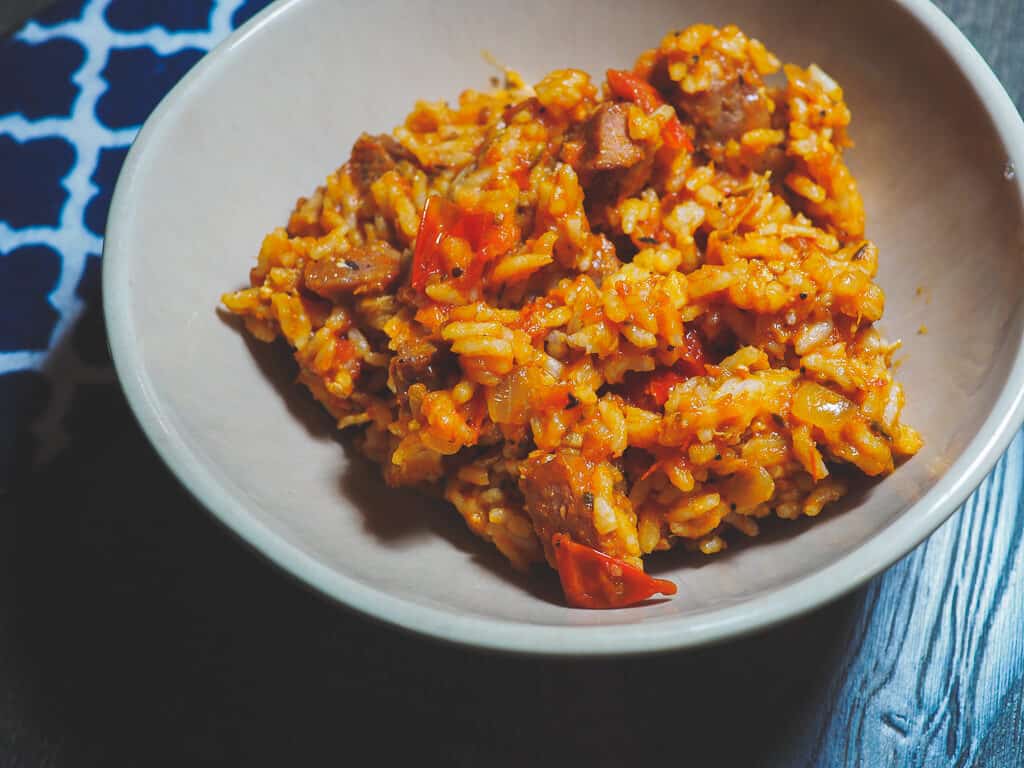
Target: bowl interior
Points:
x,y
268,119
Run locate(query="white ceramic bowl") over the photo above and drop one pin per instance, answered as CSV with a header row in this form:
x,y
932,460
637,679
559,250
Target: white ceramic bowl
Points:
x,y
267,115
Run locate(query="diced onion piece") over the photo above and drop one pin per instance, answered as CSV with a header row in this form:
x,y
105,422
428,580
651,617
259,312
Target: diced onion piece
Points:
x,y
821,407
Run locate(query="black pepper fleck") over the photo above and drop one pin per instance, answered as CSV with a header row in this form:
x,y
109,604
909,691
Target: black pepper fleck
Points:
x,y
588,499
572,401
351,264
860,253
881,430
742,80
803,295
718,457
457,272
670,348
648,239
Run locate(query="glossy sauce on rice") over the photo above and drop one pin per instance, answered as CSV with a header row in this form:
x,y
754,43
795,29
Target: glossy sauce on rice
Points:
x,y
621,315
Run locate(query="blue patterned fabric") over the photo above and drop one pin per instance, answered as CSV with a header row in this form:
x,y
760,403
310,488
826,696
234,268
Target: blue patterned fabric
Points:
x,y
86,74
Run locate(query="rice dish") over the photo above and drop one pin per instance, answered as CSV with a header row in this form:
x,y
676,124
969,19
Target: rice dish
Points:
x,y
602,319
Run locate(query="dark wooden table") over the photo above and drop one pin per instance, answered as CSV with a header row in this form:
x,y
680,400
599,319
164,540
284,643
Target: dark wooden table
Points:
x,y
134,630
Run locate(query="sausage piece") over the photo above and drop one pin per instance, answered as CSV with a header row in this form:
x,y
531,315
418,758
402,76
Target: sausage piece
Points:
x,y
373,156
727,110
366,269
418,361
607,143
558,499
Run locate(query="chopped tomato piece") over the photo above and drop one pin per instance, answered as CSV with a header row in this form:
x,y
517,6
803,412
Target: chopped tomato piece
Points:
x,y
661,383
629,87
652,389
441,219
427,259
344,350
592,579
521,176
675,136
692,363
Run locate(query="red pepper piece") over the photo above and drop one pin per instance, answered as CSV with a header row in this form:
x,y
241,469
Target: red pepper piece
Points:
x,y
692,363
521,176
652,389
427,258
660,385
675,136
592,579
629,87
442,218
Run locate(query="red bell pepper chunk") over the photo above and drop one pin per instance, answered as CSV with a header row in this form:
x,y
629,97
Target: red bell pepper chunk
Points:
x,y
629,87
592,579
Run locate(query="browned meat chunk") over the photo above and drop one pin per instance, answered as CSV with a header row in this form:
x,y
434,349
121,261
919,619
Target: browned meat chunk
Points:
x,y
419,362
604,260
608,145
728,110
558,499
305,219
373,156
368,269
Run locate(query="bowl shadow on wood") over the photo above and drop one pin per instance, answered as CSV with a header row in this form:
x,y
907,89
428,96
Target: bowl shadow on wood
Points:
x,y
101,590
396,516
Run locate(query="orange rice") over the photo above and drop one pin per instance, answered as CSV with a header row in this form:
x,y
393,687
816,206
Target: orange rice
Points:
x,y
637,312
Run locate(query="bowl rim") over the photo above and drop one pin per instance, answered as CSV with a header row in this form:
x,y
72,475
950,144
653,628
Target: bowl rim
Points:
x,y
812,591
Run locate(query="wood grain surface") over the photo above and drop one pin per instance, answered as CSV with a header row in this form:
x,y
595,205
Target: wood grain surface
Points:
x,y
135,631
